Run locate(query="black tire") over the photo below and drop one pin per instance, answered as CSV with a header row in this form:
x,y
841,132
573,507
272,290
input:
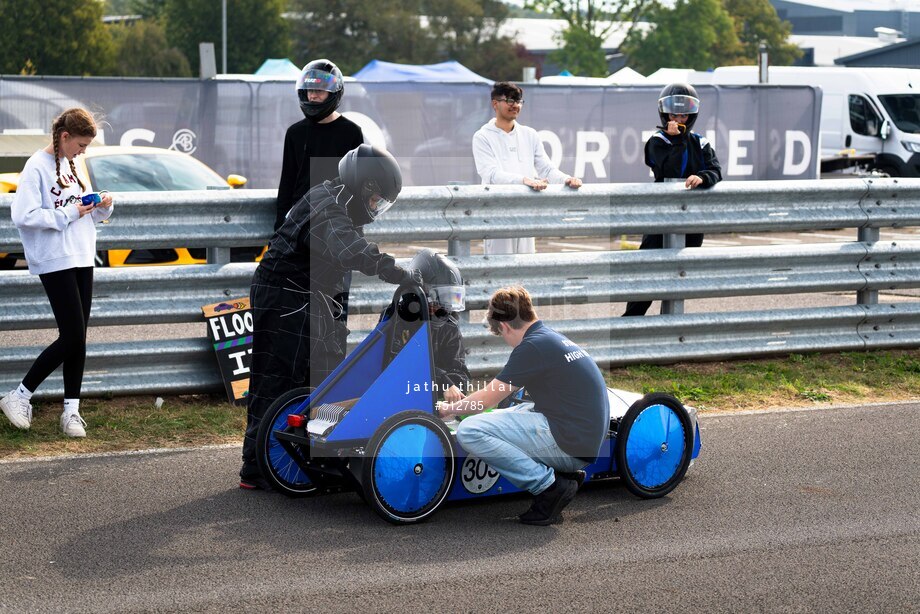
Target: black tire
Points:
x,y
102,258
647,460
7,263
415,444
275,465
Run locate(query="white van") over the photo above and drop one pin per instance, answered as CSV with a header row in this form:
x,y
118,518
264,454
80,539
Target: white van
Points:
x,y
873,111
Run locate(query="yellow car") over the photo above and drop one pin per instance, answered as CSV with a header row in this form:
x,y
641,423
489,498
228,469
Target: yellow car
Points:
x,y
150,169
142,169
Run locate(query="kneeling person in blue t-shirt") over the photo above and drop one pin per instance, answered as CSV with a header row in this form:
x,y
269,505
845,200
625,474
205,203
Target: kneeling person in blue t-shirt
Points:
x,y
544,448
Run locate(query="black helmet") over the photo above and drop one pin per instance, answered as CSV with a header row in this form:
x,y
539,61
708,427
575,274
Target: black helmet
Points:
x,y
367,172
679,99
320,75
441,279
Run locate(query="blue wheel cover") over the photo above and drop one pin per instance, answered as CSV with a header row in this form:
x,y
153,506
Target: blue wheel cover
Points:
x,y
410,468
282,463
655,446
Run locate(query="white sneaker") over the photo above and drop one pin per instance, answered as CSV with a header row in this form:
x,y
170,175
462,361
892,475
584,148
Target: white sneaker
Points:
x,y
72,425
17,410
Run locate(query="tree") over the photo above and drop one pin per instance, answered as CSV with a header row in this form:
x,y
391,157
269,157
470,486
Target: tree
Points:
x,y
581,53
255,30
589,22
56,37
353,32
756,21
142,51
469,31
696,34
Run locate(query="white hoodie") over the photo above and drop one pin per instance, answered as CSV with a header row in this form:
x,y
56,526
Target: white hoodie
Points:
x,y
509,157
54,236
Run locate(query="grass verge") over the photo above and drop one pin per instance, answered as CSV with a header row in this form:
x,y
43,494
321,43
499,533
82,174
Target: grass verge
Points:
x,y
133,423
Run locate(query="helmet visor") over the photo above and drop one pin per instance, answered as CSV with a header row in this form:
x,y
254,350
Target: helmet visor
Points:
x,y
377,205
451,298
319,80
679,104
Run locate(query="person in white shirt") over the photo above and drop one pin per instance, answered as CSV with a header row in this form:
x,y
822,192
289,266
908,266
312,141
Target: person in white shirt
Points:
x,y
57,220
508,152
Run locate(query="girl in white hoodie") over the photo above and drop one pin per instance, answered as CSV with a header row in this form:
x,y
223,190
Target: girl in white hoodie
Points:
x,y
58,235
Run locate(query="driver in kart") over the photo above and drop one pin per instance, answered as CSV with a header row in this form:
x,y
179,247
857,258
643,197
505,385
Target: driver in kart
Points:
x,y
544,446
297,291
443,285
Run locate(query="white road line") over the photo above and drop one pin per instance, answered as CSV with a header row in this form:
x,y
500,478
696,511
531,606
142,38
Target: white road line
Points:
x,y
827,236
899,235
578,246
717,242
772,240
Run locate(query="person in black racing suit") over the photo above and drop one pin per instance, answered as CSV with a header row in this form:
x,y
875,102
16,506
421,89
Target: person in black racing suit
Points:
x,y
674,153
296,293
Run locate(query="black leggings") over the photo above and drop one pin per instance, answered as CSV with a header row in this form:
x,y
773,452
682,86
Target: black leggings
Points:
x,y
71,295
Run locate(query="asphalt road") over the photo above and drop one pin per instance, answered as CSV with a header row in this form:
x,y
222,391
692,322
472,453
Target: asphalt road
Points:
x,y
797,511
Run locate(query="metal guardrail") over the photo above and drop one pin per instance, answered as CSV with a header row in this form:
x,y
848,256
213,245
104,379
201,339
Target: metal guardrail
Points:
x,y
460,214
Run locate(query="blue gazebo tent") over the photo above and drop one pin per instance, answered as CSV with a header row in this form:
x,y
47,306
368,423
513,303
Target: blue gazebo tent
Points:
x,y
278,68
377,70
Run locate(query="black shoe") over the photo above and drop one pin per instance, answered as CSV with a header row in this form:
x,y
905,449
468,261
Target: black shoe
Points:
x,y
547,506
579,476
251,479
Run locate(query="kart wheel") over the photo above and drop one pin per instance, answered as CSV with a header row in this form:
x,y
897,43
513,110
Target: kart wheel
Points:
x,y
276,465
654,443
409,467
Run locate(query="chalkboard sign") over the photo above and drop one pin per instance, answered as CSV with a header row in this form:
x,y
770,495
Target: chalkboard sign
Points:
x,y
230,331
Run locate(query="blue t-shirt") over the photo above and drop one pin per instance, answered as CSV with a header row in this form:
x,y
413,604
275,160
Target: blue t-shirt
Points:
x,y
566,387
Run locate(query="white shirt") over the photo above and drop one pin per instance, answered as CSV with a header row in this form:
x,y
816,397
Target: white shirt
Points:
x,y
54,236
509,157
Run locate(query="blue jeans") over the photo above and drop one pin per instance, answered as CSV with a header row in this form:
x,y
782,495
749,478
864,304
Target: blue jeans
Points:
x,y
519,445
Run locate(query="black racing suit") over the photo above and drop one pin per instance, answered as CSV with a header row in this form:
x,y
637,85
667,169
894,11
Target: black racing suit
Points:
x,y
449,354
296,296
677,157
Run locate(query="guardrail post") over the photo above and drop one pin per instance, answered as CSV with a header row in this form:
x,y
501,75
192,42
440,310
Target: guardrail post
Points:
x,y
673,306
218,255
459,247
867,297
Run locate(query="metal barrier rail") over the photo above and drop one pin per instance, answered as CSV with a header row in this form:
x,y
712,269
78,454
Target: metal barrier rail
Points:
x,y
460,214
187,366
245,217
176,293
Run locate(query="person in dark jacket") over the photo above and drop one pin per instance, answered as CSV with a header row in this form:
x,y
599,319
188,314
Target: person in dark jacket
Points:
x,y
295,297
675,153
314,145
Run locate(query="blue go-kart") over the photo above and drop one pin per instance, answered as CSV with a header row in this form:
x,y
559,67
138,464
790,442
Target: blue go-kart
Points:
x,y
369,428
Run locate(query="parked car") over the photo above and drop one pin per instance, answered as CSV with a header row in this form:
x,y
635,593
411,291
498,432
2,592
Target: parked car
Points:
x,y
146,169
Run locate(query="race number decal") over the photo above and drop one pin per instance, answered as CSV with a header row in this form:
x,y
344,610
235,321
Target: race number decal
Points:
x,y
477,476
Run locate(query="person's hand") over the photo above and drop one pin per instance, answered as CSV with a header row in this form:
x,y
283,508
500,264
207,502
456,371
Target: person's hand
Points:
x,y
573,182
536,184
693,181
84,209
106,200
443,409
411,276
673,128
453,394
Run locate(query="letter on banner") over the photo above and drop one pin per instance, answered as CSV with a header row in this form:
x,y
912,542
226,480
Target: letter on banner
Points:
x,y
595,157
796,168
136,134
553,146
736,152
